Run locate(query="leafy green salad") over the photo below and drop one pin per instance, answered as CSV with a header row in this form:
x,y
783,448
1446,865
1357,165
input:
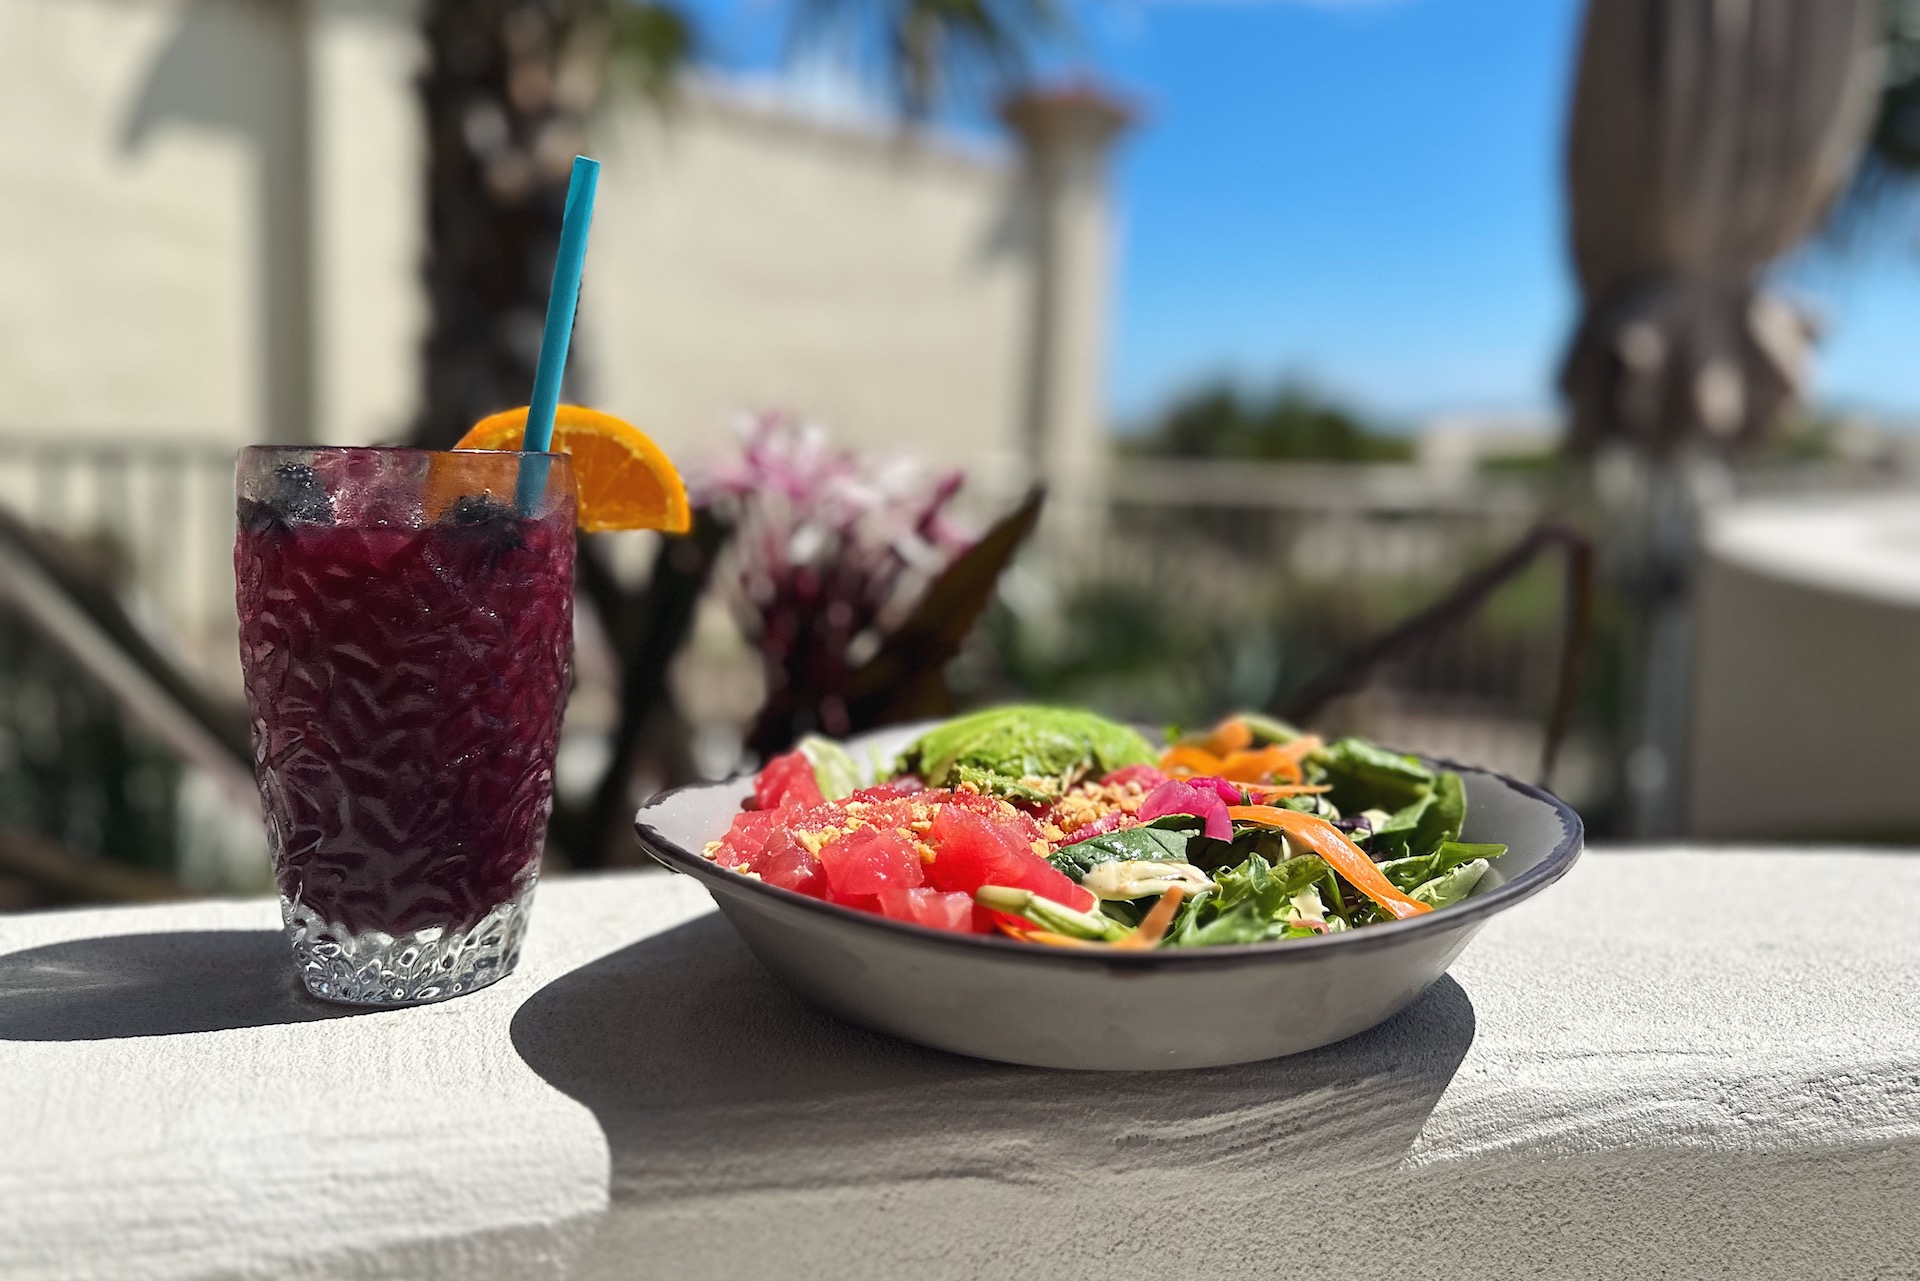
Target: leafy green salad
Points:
x,y
1058,827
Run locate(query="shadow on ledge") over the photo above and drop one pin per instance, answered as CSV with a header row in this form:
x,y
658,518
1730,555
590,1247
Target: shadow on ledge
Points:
x,y
153,985
708,1077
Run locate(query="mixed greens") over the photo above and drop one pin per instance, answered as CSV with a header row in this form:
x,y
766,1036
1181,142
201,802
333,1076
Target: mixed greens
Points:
x,y
1060,827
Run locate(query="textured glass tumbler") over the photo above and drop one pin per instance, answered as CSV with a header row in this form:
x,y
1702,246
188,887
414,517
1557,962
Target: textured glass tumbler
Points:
x,y
405,631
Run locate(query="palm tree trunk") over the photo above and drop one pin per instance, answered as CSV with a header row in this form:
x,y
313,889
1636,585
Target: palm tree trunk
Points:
x,y
505,89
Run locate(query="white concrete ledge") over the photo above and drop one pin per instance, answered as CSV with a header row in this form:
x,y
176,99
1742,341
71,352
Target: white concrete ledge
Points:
x,y
1682,1063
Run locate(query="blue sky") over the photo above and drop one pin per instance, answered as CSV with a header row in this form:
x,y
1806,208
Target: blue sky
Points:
x,y
1365,194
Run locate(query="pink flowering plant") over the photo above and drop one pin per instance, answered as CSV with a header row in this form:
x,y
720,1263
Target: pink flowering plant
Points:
x,y
850,576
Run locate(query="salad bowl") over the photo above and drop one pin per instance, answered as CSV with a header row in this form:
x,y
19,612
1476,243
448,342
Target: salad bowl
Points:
x,y
1107,1009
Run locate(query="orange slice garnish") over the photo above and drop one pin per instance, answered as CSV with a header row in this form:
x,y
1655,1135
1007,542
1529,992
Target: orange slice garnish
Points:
x,y
625,480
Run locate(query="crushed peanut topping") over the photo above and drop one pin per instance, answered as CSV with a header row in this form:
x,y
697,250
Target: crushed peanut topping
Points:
x,y
1089,803
815,840
713,847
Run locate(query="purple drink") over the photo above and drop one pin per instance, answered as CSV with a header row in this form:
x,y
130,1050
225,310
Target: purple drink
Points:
x,y
404,635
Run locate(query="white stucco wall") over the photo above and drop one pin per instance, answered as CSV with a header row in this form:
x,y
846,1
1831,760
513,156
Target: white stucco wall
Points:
x,y
742,256
748,253
139,137
370,235
124,251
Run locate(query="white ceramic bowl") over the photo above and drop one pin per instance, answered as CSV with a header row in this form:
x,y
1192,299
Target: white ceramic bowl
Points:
x,y
1071,1008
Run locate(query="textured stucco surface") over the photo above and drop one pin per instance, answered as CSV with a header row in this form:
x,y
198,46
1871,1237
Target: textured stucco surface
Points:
x,y
1673,1064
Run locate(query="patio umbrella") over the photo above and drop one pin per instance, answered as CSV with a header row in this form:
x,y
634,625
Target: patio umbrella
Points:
x,y
1707,137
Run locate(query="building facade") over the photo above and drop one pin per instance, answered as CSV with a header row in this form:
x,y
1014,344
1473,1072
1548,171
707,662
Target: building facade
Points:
x,y
211,220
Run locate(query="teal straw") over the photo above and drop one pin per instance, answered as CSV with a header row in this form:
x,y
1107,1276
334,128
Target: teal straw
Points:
x,y
561,303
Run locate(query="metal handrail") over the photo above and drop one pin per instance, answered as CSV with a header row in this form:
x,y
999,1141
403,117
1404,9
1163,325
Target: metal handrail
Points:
x,y
1459,604
83,620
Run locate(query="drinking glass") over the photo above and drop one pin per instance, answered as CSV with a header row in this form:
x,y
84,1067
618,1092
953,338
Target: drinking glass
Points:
x,y
406,624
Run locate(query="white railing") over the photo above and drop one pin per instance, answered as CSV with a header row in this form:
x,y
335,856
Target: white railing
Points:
x,y
159,515
1323,558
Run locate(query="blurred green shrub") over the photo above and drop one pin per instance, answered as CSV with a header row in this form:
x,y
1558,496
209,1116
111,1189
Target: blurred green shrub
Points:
x,y
1292,423
71,771
1156,649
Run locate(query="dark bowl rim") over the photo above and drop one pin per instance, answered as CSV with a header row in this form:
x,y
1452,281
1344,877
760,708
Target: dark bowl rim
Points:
x,y
1472,911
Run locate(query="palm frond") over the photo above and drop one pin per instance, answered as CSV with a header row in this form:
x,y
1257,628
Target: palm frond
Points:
x,y
1883,193
929,52
652,43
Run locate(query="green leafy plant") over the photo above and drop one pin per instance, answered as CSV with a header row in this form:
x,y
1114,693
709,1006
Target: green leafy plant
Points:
x,y
72,771
1293,423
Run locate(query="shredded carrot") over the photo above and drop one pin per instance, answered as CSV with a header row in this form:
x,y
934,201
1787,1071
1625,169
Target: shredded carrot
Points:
x,y
1252,767
1047,937
1303,747
1279,760
1059,940
1295,756
1189,760
1341,854
1153,926
1230,735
